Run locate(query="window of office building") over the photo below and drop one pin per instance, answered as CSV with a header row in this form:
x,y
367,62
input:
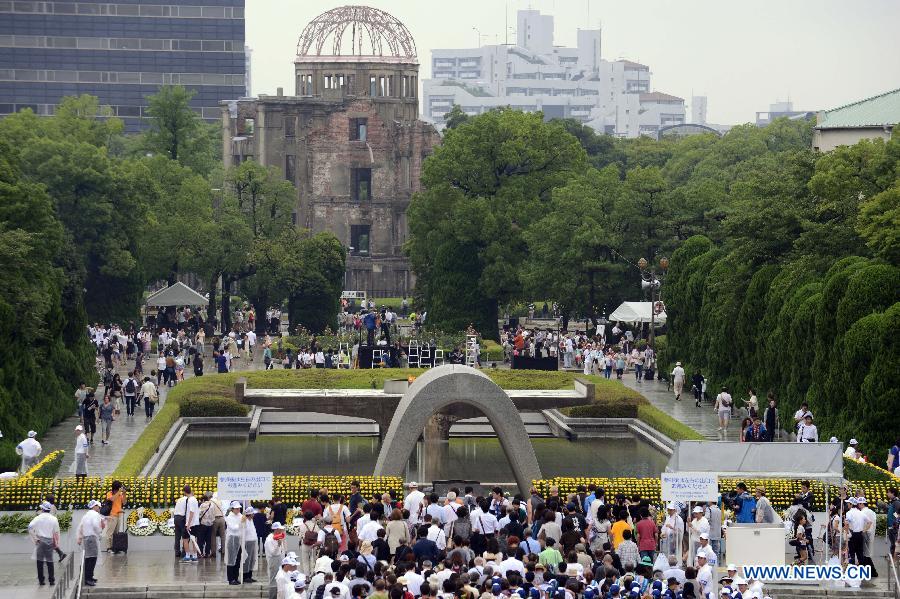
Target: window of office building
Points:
x,y
361,184
358,129
290,125
359,240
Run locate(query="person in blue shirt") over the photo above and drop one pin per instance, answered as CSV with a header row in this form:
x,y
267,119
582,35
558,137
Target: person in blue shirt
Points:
x,y
756,431
369,320
744,505
425,548
221,362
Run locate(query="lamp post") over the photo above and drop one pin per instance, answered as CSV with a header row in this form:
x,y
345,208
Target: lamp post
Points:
x,y
652,284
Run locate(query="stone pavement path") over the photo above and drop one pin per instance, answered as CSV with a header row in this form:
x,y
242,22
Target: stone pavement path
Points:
x,y
703,419
125,430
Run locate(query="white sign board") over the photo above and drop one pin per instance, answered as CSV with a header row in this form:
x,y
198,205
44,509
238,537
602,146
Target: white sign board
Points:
x,y
244,485
689,486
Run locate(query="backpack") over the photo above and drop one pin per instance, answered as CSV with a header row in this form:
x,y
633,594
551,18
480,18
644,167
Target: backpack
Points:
x,y
130,386
108,378
331,545
106,507
310,537
337,519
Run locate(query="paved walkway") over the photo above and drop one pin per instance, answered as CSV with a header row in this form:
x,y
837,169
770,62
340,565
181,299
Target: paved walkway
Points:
x,y
703,419
125,430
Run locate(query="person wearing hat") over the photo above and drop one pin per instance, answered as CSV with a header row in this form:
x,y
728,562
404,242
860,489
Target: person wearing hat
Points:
x,y
275,548
44,532
284,586
739,587
706,549
89,530
706,576
807,431
415,503
81,452
251,547
299,586
699,525
235,524
869,538
852,450
672,534
30,450
678,380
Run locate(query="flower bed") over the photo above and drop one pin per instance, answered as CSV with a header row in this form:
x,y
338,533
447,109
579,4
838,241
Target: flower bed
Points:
x,y
27,494
781,492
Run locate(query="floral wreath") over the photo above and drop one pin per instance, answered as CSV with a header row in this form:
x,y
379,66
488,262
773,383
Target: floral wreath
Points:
x,y
139,515
163,523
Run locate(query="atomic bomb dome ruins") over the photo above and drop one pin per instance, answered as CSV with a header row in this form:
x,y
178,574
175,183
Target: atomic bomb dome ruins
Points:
x,y
349,139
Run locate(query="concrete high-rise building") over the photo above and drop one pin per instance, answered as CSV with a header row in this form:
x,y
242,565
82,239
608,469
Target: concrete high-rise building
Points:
x,y
120,52
698,110
248,80
349,139
611,96
782,109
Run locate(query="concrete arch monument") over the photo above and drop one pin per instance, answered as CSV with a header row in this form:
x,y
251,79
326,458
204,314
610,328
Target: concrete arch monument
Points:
x,y
452,384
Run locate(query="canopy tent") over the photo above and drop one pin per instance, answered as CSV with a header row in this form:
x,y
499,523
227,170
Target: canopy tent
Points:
x,y
636,312
178,294
732,459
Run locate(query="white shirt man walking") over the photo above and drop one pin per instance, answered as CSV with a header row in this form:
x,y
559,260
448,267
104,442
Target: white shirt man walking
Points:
x,y
44,533
678,380
89,530
30,450
414,502
81,452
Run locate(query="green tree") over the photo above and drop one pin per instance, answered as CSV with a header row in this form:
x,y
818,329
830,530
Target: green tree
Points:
x,y
491,178
455,117
177,132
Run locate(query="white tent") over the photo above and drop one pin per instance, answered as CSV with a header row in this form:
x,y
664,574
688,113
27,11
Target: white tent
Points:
x,y
178,294
636,312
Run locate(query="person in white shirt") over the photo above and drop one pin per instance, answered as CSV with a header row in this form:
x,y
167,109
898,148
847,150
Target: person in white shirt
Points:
x,y
869,530
369,531
149,395
851,451
275,548
706,577
81,452
44,533
30,450
235,524
672,535
807,432
801,414
89,530
699,525
511,564
414,502
674,571
283,583
433,509
678,380
336,590
723,407
187,519
251,547
299,587
251,343
705,549
436,533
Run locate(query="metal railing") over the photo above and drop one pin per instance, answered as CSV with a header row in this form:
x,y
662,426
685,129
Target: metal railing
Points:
x,y
68,586
893,579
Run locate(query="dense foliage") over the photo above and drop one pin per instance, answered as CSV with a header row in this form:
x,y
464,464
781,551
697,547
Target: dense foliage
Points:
x,y
800,296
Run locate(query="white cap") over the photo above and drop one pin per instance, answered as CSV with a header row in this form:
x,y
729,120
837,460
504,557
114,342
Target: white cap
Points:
x,y
731,568
704,536
698,510
860,499
833,440
343,557
277,526
300,583
854,442
46,506
288,561
671,506
413,485
852,501
79,428
249,511
739,580
725,592
92,504
32,434
701,556
291,555
235,505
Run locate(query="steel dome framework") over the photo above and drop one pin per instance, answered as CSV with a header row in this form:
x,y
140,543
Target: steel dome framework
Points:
x,y
356,31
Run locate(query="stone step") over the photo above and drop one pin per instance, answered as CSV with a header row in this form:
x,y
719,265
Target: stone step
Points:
x,y
176,591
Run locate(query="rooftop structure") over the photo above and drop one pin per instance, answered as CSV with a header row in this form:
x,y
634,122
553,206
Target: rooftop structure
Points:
x,y
871,118
611,96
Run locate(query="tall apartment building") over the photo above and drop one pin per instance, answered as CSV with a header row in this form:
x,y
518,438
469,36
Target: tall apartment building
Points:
x,y
349,139
121,52
613,97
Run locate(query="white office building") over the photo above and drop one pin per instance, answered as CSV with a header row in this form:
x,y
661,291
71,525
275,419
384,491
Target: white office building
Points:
x,y
613,97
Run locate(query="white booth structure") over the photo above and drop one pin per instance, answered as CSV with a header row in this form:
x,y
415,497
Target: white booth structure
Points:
x,y
759,544
637,312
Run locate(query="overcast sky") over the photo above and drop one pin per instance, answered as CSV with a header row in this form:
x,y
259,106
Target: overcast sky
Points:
x,y
741,55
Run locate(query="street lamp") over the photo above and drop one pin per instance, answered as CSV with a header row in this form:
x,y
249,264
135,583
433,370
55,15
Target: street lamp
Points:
x,y
652,283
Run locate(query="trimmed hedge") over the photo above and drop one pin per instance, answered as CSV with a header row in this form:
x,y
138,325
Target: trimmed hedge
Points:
x,y
667,425
212,407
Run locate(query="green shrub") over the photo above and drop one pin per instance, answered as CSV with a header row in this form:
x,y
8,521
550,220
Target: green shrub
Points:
x,y
49,468
625,409
17,523
211,407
